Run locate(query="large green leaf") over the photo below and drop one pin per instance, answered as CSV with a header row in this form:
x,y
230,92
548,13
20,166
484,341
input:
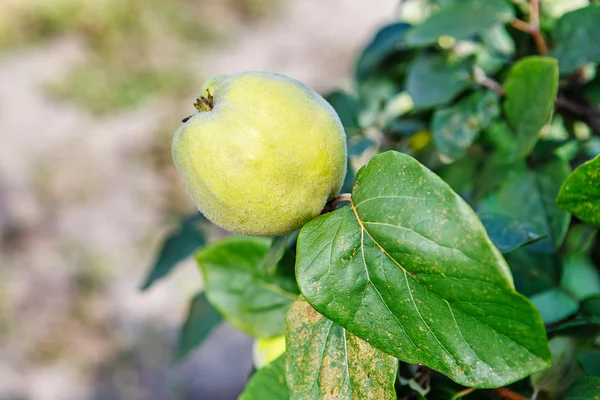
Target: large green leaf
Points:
x,y
327,362
202,318
587,388
409,268
180,245
234,285
530,89
527,195
434,79
576,38
455,128
461,20
268,383
580,193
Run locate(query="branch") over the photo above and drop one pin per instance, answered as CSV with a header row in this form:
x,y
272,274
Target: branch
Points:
x,y
505,393
533,27
332,204
580,109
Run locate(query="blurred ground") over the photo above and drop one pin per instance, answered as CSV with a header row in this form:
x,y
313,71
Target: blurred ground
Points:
x,y
87,190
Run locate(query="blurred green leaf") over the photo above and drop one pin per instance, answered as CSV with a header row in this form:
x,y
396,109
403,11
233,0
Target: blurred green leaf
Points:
x,y
461,20
554,305
589,360
455,128
530,90
275,253
591,306
434,79
580,192
564,371
527,195
460,176
534,272
576,39
410,263
235,285
202,318
507,233
586,388
325,361
580,276
268,383
176,247
387,41
348,109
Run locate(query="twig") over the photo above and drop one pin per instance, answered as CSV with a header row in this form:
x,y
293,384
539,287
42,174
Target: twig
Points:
x,y
533,26
462,393
508,394
492,84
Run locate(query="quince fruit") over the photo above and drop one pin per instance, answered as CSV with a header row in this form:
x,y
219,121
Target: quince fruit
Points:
x,y
263,154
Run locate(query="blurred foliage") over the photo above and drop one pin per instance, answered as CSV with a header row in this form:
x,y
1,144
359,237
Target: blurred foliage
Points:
x,y
137,49
509,117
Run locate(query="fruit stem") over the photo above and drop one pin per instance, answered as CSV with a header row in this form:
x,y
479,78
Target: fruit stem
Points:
x,y
331,205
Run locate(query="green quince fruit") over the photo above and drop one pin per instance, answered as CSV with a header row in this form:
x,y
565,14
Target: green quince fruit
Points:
x,y
263,154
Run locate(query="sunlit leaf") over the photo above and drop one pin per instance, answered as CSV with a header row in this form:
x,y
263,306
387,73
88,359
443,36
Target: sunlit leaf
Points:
x,y
327,362
268,383
409,268
580,193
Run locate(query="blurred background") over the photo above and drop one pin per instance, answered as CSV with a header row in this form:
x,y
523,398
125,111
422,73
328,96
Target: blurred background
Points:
x,y
90,94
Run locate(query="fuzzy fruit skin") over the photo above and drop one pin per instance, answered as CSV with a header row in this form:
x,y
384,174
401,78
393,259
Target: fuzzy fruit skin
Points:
x,y
266,158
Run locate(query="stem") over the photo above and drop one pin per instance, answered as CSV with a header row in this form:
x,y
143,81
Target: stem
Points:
x,y
332,204
462,393
492,84
533,27
508,394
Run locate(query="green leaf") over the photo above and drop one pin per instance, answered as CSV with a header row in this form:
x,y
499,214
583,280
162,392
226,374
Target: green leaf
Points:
x,y
455,128
461,20
202,318
580,276
409,268
530,90
580,193
326,362
534,272
434,79
587,388
387,41
564,371
268,383
176,248
591,306
275,253
348,109
554,305
527,195
235,286
507,233
589,360
576,39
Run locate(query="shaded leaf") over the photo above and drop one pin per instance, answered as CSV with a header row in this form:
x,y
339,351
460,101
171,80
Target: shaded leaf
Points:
x,y
434,79
327,362
409,268
455,128
507,233
534,272
388,40
576,38
580,276
235,286
348,109
461,20
530,90
580,192
587,388
563,372
268,382
554,305
274,254
591,306
176,248
202,318
589,360
527,195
